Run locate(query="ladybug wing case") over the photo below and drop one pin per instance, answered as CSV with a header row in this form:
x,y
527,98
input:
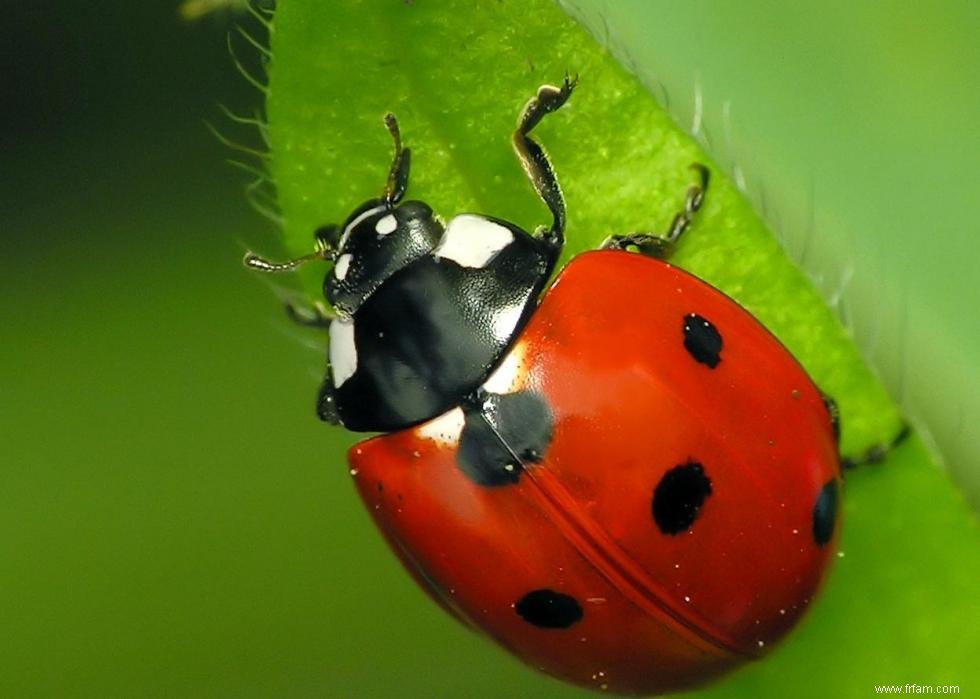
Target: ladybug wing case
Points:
x,y
672,518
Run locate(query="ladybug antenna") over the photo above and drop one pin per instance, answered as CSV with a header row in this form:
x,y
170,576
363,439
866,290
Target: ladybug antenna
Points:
x,y
323,251
253,261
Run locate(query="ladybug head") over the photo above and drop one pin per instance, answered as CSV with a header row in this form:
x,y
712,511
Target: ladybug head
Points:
x,y
377,240
380,237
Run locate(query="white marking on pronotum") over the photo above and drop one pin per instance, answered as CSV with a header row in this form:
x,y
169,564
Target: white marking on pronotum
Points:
x,y
341,266
353,224
444,429
386,225
472,241
343,352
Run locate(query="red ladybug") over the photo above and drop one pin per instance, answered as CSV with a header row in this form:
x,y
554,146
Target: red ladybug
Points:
x,y
627,481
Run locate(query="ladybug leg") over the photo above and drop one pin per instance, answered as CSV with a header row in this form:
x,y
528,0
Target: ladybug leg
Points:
x,y
326,404
877,453
874,455
834,413
533,159
398,173
318,315
661,246
648,244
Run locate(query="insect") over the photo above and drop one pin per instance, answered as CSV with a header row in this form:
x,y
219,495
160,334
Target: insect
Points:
x,y
625,479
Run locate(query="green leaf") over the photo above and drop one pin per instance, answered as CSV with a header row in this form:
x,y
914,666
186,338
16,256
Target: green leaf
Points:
x,y
456,74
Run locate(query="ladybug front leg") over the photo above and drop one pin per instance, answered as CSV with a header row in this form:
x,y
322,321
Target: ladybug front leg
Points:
x,y
661,246
326,403
318,315
534,160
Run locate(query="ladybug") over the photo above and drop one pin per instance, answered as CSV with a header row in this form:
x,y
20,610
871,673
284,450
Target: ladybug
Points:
x,y
623,479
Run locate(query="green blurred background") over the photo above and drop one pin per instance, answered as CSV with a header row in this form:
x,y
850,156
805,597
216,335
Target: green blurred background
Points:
x,y
170,526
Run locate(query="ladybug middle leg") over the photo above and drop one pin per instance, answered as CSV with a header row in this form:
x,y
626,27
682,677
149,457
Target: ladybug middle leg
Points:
x,y
317,315
834,412
661,246
872,455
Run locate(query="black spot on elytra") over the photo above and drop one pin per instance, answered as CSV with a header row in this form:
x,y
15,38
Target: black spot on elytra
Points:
x,y
825,513
702,340
834,413
548,609
678,497
522,421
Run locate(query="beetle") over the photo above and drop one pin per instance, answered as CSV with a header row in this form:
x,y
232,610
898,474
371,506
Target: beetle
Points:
x,y
624,479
